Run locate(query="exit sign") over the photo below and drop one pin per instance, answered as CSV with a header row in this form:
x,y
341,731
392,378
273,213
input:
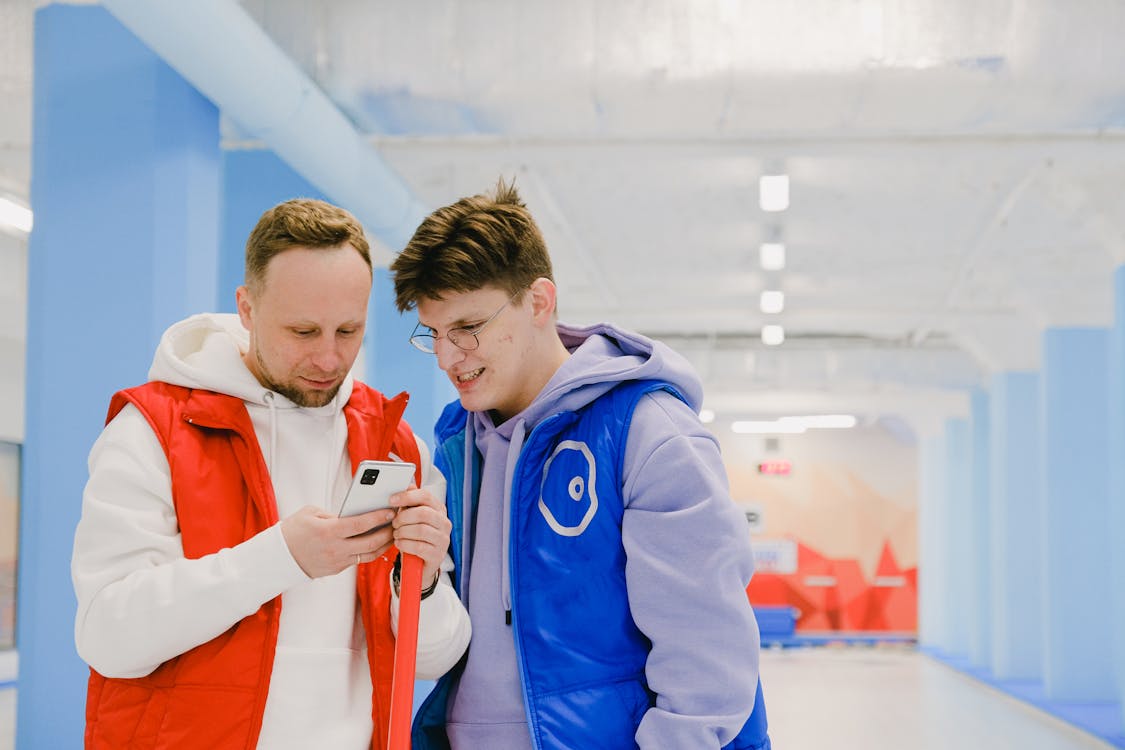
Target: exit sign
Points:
x,y
775,467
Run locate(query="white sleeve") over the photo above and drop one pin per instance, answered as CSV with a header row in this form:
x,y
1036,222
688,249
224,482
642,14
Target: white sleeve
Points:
x,y
140,601
443,622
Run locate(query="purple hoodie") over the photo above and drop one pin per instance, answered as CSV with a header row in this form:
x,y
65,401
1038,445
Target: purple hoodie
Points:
x,y
684,538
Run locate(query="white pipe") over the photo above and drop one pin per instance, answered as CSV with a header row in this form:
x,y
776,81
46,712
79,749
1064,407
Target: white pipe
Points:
x,y
218,48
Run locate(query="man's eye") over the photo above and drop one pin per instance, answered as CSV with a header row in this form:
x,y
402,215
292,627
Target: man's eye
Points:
x,y
348,331
303,332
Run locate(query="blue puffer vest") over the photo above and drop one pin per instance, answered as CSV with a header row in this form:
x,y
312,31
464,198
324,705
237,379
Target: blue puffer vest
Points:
x,y
581,656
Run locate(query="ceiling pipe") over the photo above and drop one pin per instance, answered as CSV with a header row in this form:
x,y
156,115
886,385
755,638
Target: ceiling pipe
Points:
x,y
218,48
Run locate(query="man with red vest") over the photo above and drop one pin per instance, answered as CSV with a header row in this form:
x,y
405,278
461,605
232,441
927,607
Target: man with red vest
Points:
x,y
222,603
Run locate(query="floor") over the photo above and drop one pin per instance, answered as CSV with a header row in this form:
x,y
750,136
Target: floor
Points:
x,y
886,698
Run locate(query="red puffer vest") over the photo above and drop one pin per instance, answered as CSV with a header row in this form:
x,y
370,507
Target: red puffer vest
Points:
x,y
213,696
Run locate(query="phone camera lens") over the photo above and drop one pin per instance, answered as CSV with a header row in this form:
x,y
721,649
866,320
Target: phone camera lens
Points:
x,y
369,476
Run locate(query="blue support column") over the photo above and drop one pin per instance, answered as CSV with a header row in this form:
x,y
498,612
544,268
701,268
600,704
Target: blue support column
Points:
x,y
1077,596
125,191
979,594
1117,480
933,609
1016,528
958,510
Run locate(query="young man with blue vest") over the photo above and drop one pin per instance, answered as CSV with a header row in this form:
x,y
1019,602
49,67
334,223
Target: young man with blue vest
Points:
x,y
222,603
597,549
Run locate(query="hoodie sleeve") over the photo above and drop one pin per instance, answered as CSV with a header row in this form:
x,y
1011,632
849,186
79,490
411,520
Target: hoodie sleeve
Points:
x,y
140,601
688,565
443,622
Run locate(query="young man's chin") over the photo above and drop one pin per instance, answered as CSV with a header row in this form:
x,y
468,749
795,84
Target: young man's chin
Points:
x,y
471,403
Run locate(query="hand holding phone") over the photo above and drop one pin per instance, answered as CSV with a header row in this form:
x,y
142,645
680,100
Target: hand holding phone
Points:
x,y
373,484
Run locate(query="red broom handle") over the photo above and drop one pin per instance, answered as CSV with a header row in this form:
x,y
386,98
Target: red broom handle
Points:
x,y
406,647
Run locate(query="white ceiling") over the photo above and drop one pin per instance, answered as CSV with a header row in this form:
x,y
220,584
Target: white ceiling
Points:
x,y
955,168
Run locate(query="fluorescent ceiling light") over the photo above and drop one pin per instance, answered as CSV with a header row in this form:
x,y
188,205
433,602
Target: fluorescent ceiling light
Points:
x,y
773,335
772,301
773,192
772,256
706,416
15,215
823,421
794,425
766,427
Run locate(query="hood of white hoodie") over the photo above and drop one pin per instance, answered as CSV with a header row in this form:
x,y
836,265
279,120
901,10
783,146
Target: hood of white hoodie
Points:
x,y
205,352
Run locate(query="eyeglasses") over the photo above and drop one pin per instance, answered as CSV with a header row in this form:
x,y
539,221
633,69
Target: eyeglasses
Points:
x,y
464,339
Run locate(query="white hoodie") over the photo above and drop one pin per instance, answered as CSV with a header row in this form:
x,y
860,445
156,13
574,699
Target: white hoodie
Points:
x,y
141,602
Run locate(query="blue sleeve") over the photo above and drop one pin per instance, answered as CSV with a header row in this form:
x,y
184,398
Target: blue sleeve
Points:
x,y
689,563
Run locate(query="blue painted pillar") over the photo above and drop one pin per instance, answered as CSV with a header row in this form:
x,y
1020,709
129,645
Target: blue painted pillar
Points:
x,y
979,608
1077,597
1116,402
958,511
1016,527
125,191
933,597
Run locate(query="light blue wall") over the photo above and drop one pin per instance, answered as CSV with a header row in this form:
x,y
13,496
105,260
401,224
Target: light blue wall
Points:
x,y
956,540
933,585
1077,598
1116,401
978,609
125,169
1016,560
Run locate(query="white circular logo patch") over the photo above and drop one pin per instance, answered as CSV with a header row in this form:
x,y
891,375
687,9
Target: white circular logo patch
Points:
x,y
578,488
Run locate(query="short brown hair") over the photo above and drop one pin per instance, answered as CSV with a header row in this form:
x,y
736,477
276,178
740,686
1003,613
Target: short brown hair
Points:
x,y
476,242
301,222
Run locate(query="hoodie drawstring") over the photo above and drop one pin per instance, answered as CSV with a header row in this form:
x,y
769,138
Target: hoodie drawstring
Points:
x,y
514,448
468,514
268,398
333,469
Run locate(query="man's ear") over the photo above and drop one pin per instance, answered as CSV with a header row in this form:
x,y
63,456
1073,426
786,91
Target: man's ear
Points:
x,y
245,308
543,300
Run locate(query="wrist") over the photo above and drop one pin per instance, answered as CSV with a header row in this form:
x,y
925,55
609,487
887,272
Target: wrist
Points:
x,y
396,577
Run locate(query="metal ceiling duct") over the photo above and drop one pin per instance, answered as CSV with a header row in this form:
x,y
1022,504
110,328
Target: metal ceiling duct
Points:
x,y
221,51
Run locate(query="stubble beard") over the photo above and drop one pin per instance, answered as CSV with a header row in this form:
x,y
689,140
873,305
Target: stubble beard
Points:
x,y
298,396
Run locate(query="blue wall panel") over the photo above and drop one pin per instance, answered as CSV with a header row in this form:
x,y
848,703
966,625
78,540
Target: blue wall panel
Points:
x,y
957,511
1077,596
1116,401
1016,528
978,607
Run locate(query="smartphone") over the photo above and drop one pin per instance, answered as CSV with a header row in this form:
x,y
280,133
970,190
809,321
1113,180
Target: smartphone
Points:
x,y
374,483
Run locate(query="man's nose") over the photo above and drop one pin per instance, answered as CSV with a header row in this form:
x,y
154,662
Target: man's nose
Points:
x,y
447,353
328,357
